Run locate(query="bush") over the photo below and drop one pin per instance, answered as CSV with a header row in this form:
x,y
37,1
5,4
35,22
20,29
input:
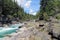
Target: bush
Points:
x,y
57,16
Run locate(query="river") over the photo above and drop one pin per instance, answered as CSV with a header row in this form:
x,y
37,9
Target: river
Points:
x,y
11,29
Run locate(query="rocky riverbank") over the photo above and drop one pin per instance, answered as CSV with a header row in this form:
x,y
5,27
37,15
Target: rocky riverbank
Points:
x,y
36,31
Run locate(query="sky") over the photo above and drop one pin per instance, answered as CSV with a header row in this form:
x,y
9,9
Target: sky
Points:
x,y
30,6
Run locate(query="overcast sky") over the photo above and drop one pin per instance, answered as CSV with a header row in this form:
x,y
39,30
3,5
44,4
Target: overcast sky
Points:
x,y
30,6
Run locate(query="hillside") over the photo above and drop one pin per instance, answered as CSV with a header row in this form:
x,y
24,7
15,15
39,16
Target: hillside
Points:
x,y
13,12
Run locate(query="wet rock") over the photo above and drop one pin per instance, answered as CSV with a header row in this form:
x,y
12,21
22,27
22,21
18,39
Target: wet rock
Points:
x,y
54,30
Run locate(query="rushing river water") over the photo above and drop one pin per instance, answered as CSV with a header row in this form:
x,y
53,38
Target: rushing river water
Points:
x,y
4,32
11,29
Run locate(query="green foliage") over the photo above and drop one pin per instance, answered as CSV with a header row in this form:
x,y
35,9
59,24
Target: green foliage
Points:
x,y
48,8
58,16
13,10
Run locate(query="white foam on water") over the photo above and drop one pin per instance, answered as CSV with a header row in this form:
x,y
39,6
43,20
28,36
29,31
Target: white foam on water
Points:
x,y
1,38
13,27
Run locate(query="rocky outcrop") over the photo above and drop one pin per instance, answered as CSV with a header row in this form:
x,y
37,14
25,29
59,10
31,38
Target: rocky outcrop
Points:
x,y
54,30
48,31
28,34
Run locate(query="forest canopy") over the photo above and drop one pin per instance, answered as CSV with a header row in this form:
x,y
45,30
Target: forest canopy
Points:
x,y
49,8
13,11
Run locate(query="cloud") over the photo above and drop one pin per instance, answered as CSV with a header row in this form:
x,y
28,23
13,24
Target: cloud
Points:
x,y
20,2
32,12
24,3
28,3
